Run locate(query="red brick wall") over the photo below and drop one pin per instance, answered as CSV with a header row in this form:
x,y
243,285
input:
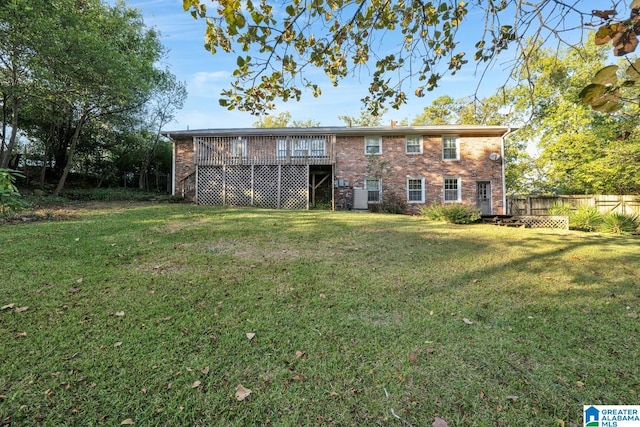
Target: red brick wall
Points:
x,y
184,161
351,164
473,165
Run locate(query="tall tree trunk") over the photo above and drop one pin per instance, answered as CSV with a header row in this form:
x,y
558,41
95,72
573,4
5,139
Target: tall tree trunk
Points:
x,y
142,178
6,154
72,149
47,146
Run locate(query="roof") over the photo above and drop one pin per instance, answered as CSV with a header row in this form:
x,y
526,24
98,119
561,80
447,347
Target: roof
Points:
x,y
346,131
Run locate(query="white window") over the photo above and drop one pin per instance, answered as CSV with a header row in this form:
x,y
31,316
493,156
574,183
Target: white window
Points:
x,y
283,152
413,144
452,189
450,148
374,190
318,147
239,148
415,190
300,148
373,145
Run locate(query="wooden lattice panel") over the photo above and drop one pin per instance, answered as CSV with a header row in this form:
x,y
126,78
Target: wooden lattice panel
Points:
x,y
265,188
545,221
268,186
210,186
237,190
294,187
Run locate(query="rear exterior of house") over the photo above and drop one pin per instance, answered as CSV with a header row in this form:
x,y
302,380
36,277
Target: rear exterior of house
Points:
x,y
342,167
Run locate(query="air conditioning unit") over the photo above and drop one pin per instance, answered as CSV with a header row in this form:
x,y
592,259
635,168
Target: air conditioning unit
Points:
x,y
360,198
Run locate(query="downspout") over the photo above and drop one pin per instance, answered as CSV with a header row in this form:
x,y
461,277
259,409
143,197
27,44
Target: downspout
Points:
x,y
504,184
173,165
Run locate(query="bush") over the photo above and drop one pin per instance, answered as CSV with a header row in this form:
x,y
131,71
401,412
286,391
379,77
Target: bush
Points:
x,y
434,211
390,203
454,213
585,218
559,209
618,223
10,197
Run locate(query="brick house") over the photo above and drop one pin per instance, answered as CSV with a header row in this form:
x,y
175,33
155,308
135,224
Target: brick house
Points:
x,y
341,167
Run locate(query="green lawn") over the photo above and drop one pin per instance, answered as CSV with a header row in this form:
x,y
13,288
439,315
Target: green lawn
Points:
x,y
139,313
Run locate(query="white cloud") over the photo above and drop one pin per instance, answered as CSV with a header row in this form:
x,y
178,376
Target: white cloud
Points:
x,y
204,77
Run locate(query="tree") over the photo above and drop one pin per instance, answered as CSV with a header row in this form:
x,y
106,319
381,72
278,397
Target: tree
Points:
x,y
107,66
283,120
340,37
582,150
74,75
443,110
280,120
168,96
366,118
20,50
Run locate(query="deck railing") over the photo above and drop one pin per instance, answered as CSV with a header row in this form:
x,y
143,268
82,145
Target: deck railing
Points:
x,y
265,150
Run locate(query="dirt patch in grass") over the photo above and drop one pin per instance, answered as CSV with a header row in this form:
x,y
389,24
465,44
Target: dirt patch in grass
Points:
x,y
67,211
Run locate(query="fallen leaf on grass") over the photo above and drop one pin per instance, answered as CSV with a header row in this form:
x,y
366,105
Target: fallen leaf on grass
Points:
x,y
299,354
118,344
633,315
413,358
21,334
74,290
8,306
119,314
21,309
299,377
242,393
467,321
580,384
430,351
196,384
127,422
334,394
250,335
205,370
439,422
79,281
512,398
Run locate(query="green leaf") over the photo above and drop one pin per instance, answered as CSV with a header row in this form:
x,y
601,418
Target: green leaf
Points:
x,y
592,94
608,107
634,69
606,76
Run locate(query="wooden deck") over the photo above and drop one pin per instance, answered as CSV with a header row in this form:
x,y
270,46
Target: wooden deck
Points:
x,y
265,150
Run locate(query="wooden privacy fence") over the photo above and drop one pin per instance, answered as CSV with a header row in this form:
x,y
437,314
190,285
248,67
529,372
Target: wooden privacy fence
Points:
x,y
540,205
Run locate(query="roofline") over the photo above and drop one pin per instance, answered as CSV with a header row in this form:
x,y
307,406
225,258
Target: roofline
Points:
x,y
346,131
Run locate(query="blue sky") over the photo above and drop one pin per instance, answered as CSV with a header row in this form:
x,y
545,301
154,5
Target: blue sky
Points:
x,y
206,75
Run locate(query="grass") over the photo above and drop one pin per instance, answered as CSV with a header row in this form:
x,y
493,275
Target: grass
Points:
x,y
138,312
